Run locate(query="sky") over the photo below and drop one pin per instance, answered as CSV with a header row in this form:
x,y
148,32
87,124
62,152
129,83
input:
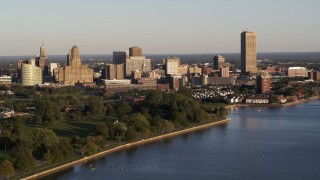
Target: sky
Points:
x,y
157,26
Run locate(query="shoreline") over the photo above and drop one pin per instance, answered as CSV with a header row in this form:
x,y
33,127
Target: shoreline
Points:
x,y
123,147
277,105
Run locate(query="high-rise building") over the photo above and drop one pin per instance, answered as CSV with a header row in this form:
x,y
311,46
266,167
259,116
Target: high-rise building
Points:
x,y
135,51
74,72
41,60
114,71
53,66
218,61
224,72
172,65
136,62
30,74
248,53
263,83
119,57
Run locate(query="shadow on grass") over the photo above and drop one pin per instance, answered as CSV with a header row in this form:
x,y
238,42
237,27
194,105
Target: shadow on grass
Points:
x,y
72,128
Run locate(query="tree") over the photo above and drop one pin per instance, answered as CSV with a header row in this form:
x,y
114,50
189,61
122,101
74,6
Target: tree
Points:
x,y
90,148
138,121
6,168
146,132
23,158
154,98
185,91
102,129
123,108
131,134
37,120
94,107
41,136
167,126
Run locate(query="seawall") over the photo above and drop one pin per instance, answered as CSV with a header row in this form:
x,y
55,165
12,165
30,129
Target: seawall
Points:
x,y
122,147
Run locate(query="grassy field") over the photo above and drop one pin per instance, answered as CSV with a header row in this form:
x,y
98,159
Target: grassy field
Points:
x,y
210,106
72,128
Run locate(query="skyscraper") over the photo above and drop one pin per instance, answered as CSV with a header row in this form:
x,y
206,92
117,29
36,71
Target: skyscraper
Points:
x,y
114,71
74,72
41,60
218,61
136,62
248,53
172,65
135,51
30,74
119,57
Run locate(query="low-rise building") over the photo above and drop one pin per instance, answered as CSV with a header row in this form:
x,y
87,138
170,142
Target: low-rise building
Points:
x,y
257,100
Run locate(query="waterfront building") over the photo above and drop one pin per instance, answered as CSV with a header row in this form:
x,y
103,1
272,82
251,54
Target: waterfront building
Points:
x,y
218,61
263,83
248,53
31,74
74,72
172,65
297,72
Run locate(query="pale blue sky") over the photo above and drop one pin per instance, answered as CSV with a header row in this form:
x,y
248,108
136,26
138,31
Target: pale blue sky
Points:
x,y
158,26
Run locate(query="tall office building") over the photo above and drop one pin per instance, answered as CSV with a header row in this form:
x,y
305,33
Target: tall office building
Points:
x,y
74,72
218,61
115,71
30,74
41,60
136,62
172,66
135,51
263,83
224,72
248,53
119,57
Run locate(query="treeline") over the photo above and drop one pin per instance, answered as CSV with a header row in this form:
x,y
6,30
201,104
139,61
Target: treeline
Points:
x,y
159,113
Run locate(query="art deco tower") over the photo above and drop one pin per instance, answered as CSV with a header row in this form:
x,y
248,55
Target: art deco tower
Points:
x,y
248,52
41,61
74,59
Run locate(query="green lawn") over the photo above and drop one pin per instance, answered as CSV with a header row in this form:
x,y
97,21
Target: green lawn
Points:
x,y
210,106
72,128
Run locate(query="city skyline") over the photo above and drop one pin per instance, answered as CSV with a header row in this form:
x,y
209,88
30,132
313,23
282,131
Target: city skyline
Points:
x,y
166,27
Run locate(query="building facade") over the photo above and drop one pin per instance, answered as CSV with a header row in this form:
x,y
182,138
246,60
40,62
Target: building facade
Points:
x,y
218,61
248,52
263,83
297,72
74,72
172,66
135,51
114,71
31,74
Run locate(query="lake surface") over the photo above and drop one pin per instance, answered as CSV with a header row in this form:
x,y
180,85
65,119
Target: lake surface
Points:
x,y
258,143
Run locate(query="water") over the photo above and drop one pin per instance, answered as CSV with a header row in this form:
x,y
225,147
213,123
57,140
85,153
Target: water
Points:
x,y
267,144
